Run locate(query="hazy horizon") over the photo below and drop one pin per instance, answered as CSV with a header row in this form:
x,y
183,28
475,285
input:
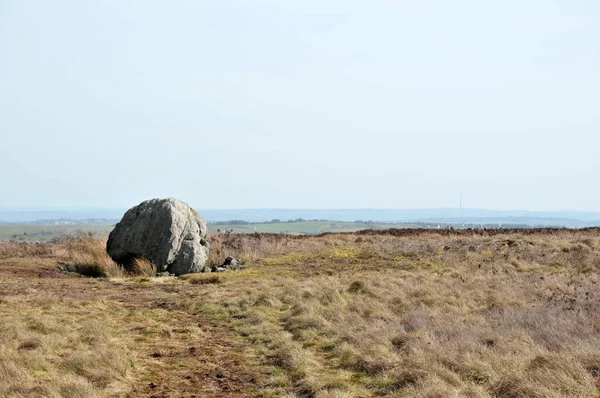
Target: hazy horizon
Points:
x,y
123,208
567,218
301,105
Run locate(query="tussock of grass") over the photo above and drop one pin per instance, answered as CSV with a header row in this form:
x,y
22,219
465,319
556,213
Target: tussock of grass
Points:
x,y
142,267
89,257
204,279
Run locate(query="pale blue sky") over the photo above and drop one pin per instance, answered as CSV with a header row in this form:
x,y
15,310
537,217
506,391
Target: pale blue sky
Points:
x,y
301,104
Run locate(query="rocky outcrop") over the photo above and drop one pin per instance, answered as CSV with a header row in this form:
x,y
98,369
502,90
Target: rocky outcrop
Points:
x,y
167,232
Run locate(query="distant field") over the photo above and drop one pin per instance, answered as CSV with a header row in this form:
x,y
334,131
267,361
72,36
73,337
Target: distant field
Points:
x,y
43,233
303,227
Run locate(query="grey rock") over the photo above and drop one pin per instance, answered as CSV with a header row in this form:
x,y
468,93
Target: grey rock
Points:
x,y
164,231
232,263
67,267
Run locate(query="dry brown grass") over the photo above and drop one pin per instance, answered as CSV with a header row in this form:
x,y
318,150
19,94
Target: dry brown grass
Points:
x,y
204,279
89,257
425,315
56,349
63,335
25,249
420,316
142,267
249,247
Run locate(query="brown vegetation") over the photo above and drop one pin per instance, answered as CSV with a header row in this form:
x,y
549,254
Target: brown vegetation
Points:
x,y
25,249
50,349
88,256
427,314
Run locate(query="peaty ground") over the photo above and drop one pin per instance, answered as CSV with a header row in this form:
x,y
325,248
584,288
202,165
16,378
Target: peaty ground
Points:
x,y
398,314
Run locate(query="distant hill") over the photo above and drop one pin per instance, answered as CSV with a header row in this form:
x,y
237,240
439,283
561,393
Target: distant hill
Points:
x,y
35,215
476,216
571,219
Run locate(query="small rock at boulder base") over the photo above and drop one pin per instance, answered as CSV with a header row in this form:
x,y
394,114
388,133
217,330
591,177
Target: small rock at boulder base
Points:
x,y
167,232
232,263
67,267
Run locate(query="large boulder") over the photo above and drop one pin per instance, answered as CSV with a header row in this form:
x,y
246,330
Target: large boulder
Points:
x,y
167,232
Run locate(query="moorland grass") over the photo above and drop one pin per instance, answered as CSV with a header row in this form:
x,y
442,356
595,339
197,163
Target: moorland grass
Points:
x,y
428,315
421,316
